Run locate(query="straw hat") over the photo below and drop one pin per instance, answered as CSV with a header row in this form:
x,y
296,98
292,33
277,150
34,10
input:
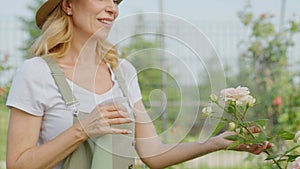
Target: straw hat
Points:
x,y
46,9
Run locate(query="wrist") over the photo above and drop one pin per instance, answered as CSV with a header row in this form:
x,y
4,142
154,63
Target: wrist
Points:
x,y
80,134
218,143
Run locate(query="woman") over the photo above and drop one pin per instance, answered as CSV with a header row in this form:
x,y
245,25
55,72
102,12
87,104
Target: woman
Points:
x,y
41,130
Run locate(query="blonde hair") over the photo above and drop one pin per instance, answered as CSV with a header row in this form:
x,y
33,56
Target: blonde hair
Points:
x,y
56,35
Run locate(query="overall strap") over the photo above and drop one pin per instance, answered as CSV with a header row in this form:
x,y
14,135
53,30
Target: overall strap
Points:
x,y
61,81
95,156
121,82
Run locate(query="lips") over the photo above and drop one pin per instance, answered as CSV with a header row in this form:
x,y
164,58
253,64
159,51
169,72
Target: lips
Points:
x,y
106,21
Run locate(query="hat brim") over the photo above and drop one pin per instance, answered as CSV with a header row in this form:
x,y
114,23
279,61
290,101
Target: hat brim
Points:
x,y
46,9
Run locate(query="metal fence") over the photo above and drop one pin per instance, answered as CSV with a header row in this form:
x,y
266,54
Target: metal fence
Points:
x,y
225,36
11,40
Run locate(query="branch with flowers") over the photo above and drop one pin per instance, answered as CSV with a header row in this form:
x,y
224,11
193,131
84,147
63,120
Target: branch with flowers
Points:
x,y
235,104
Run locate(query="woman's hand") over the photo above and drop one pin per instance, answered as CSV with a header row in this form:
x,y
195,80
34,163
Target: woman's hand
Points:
x,y
101,119
224,143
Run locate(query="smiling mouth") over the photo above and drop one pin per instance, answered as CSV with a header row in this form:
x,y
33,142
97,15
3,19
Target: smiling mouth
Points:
x,y
105,21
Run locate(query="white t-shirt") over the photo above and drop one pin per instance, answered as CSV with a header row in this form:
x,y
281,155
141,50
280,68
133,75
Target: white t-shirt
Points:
x,y
34,91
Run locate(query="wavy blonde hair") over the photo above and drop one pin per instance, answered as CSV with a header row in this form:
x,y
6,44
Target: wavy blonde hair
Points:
x,y
56,35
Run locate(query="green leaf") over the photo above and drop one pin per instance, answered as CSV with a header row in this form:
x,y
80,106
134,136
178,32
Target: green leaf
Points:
x,y
231,109
292,158
232,137
219,127
234,145
259,140
285,135
263,131
261,122
292,149
271,157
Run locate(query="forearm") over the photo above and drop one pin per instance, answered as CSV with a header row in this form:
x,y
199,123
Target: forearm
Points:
x,y
158,155
170,154
51,153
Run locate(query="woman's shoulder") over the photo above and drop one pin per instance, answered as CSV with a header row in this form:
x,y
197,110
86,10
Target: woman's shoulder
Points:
x,y
34,62
126,67
34,67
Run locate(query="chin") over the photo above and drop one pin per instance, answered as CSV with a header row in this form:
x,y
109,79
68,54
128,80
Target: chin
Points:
x,y
101,33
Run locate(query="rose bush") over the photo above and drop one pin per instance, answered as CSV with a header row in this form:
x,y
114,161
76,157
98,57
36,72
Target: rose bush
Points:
x,y
235,103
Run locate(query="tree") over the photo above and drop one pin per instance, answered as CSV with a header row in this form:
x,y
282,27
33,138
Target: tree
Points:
x,y
3,68
265,68
29,25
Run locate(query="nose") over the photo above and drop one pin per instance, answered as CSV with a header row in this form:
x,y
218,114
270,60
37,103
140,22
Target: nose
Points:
x,y
112,8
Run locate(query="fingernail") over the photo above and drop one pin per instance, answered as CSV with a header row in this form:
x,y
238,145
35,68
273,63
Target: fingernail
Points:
x,y
129,119
129,132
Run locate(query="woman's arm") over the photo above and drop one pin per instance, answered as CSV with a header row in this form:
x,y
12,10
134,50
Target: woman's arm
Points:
x,y
158,155
24,129
22,149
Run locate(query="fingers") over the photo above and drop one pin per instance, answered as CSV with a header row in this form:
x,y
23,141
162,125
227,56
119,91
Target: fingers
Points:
x,y
270,145
115,114
117,121
258,148
110,111
103,117
120,131
112,107
255,129
255,148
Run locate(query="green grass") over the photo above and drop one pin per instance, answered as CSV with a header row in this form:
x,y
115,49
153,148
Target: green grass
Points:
x,y
4,115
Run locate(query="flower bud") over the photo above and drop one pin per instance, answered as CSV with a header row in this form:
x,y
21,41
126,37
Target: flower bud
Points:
x,y
213,97
277,101
207,111
251,101
232,126
297,137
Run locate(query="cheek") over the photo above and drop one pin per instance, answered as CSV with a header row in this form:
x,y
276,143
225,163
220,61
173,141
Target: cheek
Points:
x,y
84,20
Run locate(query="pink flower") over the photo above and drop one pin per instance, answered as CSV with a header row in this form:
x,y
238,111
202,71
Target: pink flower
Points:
x,y
277,101
296,163
263,16
240,94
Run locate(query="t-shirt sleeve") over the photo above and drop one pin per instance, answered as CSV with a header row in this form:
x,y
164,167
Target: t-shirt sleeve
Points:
x,y
27,91
131,79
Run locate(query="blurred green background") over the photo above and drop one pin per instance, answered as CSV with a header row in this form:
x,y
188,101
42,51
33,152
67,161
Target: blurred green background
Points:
x,y
259,50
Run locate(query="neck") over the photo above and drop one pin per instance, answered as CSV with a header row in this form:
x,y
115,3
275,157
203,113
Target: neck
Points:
x,y
83,51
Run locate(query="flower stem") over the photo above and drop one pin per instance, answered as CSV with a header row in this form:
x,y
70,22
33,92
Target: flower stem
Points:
x,y
286,165
244,113
220,106
275,162
238,134
249,132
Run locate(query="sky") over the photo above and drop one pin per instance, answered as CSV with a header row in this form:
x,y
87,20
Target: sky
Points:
x,y
195,10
